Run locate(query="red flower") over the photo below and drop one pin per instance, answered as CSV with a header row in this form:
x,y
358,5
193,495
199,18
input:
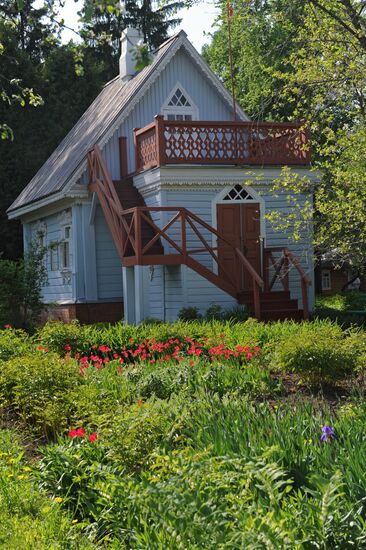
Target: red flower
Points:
x,y
93,437
73,433
7,326
80,432
67,347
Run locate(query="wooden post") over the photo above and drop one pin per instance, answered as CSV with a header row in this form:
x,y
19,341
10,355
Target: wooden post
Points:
x,y
123,161
160,140
266,270
138,239
305,305
257,300
183,234
135,142
286,267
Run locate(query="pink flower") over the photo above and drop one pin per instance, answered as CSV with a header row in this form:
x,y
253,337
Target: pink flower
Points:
x,y
7,326
93,437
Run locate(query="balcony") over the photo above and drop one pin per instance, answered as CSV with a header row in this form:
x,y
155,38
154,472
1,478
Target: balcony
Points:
x,y
227,143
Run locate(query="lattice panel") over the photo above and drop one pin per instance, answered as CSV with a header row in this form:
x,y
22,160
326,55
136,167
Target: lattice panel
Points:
x,y
238,193
147,150
241,144
196,143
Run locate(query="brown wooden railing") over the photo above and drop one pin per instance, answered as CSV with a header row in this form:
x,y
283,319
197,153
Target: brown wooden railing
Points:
x,y
101,183
186,225
281,267
208,142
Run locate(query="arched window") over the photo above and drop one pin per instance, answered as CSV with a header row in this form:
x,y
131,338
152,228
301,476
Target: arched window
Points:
x,y
179,105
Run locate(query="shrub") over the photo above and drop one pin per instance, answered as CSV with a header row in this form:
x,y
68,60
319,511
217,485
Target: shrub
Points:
x,y
134,433
318,354
59,337
21,286
189,314
40,388
13,342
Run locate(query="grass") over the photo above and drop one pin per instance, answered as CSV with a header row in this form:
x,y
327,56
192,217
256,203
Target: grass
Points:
x,y
348,301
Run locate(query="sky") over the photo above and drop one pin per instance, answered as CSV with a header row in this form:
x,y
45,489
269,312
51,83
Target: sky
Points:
x,y
196,21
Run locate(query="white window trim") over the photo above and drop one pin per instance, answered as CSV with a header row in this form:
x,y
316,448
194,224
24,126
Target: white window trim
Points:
x,y
327,271
167,109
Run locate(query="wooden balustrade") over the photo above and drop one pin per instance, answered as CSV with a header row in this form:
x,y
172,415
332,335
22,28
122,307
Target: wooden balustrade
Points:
x,y
232,143
282,267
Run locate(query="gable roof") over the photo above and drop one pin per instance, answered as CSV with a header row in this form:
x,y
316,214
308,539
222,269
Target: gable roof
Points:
x,y
99,121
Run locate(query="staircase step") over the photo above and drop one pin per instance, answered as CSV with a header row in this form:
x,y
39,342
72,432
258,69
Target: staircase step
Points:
x,y
286,305
282,314
247,296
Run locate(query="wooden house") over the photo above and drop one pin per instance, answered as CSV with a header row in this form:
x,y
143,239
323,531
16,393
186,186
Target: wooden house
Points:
x,y
157,200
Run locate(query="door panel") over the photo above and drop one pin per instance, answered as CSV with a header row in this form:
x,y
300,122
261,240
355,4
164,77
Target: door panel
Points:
x,y
250,231
239,223
228,225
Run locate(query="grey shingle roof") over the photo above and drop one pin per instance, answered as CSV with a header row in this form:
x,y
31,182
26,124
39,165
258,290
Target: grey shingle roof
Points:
x,y
90,129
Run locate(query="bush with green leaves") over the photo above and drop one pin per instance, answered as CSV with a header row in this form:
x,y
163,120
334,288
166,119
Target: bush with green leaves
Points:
x,y
13,342
41,389
21,285
320,354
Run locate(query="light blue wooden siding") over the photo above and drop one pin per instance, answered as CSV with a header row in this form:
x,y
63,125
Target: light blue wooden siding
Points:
x,y
54,290
180,69
109,267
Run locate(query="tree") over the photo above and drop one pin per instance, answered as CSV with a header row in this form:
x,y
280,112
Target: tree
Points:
x,y
103,25
309,59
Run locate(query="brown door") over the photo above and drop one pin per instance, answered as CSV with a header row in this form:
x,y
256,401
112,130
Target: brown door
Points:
x,y
239,223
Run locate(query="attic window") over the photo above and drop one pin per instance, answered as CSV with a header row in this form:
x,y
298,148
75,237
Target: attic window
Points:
x,y
179,106
238,193
179,100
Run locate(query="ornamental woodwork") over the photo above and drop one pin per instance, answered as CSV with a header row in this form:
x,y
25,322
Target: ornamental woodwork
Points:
x,y
239,143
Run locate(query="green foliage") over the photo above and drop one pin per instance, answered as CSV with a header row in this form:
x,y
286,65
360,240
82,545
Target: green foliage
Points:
x,y
320,355
39,388
348,301
30,520
189,314
21,285
13,343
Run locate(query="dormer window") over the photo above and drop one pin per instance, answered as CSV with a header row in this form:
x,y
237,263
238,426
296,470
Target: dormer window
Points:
x,y
179,105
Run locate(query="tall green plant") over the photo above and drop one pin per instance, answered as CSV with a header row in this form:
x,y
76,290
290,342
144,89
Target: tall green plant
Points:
x,y
21,286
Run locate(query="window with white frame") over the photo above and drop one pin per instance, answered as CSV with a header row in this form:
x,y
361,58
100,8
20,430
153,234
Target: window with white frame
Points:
x,y
54,256
326,280
65,256
179,105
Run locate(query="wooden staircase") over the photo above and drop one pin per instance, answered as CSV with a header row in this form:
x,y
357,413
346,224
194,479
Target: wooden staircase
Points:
x,y
129,198
138,240
274,305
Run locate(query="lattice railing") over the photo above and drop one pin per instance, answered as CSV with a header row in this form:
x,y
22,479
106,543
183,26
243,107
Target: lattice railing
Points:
x,y
197,142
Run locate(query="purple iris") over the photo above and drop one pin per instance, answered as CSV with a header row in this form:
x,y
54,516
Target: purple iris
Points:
x,y
328,434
